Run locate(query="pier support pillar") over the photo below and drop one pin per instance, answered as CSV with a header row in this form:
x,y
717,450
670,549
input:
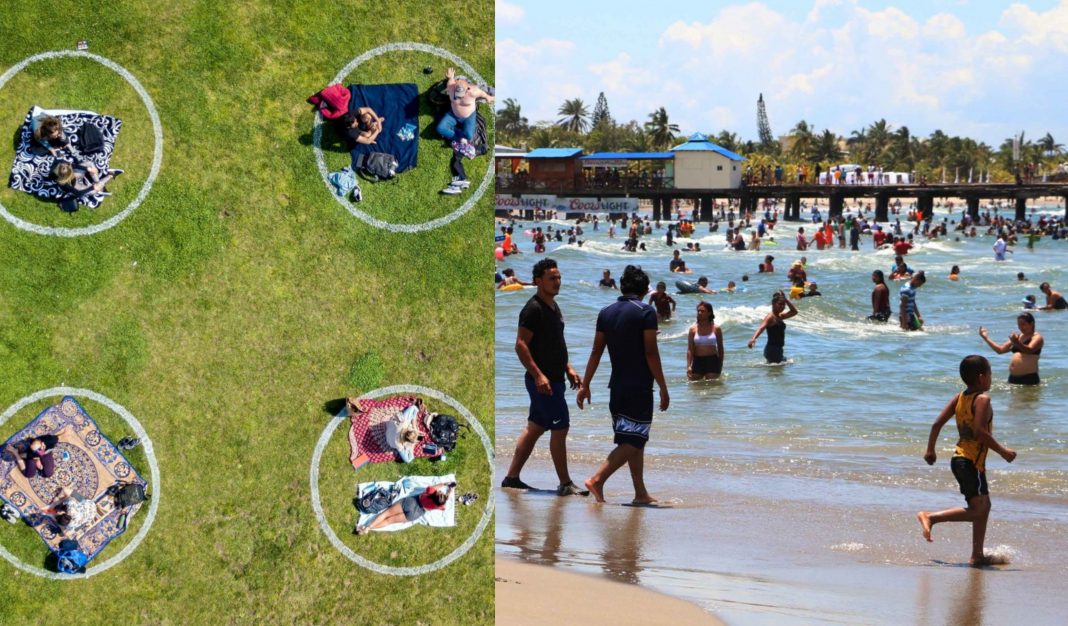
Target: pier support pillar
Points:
x,y
658,213
528,215
1021,209
707,204
793,208
882,207
837,203
973,208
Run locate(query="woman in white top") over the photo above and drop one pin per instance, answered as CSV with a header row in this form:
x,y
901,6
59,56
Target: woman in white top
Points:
x,y
704,354
74,511
402,433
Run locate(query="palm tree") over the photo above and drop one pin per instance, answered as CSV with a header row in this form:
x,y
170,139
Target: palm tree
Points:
x,y
802,141
826,147
901,149
857,143
728,140
510,120
543,135
638,140
878,141
661,130
575,116
1049,146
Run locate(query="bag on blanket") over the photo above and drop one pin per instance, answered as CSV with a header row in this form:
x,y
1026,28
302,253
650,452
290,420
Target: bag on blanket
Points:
x,y
377,499
127,494
377,165
90,139
70,559
445,431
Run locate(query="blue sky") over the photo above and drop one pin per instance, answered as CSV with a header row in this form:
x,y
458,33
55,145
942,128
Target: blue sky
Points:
x,y
984,69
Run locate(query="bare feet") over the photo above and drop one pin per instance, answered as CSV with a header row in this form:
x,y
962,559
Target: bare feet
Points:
x,y
647,500
595,490
925,521
982,561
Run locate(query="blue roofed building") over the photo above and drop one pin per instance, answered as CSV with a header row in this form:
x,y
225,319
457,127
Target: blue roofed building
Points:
x,y
701,164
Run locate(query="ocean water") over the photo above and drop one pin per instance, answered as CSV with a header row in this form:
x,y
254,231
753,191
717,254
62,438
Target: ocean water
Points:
x,y
841,427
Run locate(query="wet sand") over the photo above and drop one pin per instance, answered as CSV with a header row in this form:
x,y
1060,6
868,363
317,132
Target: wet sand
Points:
x,y
797,558
530,595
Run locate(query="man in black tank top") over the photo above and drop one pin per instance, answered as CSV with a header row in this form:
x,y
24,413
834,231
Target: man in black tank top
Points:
x,y
542,350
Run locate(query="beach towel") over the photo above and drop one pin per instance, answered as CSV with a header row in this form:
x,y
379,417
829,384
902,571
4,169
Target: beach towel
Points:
x,y
413,486
85,460
32,173
367,432
399,104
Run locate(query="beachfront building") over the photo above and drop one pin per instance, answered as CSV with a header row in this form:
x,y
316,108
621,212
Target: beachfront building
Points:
x,y
628,170
509,162
701,164
554,167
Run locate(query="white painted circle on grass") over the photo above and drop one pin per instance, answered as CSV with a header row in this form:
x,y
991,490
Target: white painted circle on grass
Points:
x,y
317,457
157,150
150,454
320,160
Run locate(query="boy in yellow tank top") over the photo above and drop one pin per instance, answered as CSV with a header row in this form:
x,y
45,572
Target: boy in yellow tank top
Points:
x,y
975,419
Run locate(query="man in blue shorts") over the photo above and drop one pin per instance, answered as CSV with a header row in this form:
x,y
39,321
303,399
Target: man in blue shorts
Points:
x,y
628,329
543,352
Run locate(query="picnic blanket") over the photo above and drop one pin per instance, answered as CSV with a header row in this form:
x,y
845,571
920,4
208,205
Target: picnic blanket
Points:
x,y
85,460
413,486
367,433
399,104
32,173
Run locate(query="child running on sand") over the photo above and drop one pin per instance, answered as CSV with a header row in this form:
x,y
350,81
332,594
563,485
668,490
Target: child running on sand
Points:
x,y
975,419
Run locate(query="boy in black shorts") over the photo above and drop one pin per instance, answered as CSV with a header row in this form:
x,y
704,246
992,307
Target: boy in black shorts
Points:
x,y
975,420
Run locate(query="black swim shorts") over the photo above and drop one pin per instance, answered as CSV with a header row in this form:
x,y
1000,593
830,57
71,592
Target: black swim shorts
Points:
x,y
972,482
707,365
1025,379
632,416
549,412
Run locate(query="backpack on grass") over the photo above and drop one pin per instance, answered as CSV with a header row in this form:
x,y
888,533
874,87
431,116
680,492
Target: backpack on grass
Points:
x,y
377,165
444,431
70,559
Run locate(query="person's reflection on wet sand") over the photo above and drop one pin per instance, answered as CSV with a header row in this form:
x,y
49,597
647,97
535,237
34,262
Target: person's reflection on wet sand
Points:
x,y
966,607
538,543
622,554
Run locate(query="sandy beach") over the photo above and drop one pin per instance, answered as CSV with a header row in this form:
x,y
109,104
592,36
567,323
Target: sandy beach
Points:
x,y
529,595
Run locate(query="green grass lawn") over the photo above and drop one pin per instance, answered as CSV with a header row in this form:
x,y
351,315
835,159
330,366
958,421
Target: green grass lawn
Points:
x,y
237,299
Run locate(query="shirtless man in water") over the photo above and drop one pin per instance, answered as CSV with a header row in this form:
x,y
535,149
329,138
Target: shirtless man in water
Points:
x,y
1025,346
458,124
1054,299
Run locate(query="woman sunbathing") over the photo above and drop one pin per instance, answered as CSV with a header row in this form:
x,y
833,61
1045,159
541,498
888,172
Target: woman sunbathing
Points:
x,y
82,178
363,125
402,433
411,508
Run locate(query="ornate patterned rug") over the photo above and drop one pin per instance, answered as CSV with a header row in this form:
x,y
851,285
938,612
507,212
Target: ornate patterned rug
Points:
x,y
86,461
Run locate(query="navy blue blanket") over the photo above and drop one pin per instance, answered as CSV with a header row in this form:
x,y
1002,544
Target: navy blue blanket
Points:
x,y
399,104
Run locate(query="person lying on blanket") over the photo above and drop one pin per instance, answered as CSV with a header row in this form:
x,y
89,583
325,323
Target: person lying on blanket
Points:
x,y
411,508
73,512
35,456
48,135
363,125
402,434
82,178
458,123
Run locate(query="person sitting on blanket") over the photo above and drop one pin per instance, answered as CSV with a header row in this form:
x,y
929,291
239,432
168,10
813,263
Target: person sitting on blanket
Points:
x,y
363,125
402,433
48,135
74,511
82,178
35,456
411,508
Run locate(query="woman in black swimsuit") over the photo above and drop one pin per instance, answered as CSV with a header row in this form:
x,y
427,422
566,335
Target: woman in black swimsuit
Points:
x,y
1025,346
781,309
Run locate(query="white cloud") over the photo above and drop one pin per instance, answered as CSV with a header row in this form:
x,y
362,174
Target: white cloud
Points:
x,y
943,25
508,13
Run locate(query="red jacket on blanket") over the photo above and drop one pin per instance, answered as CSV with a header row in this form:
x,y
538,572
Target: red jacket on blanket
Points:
x,y
332,102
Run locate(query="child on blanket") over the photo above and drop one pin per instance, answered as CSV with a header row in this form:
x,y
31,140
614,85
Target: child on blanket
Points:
x,y
82,178
411,508
363,125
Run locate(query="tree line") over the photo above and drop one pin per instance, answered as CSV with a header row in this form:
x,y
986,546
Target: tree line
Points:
x,y
937,156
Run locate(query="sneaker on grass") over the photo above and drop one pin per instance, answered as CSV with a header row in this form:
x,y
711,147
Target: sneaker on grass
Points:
x,y
452,190
462,183
514,483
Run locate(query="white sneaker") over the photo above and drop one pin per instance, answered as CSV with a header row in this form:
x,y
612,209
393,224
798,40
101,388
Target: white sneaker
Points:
x,y
462,183
452,190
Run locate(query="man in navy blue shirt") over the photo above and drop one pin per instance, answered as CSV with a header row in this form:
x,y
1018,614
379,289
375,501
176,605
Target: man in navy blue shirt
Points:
x,y
628,329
